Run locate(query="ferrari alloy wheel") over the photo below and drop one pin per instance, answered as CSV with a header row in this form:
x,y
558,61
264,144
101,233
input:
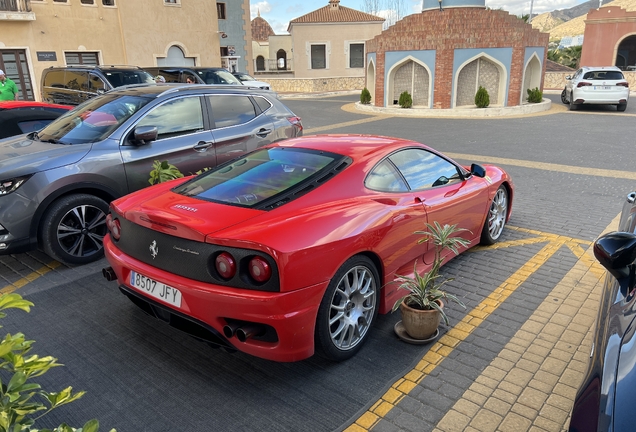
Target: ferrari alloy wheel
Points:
x,y
348,309
564,99
73,229
496,218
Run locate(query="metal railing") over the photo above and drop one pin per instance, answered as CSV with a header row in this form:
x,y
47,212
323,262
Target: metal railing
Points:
x,y
274,65
15,6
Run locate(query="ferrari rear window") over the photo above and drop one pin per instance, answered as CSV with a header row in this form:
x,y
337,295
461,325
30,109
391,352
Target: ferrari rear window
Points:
x,y
261,177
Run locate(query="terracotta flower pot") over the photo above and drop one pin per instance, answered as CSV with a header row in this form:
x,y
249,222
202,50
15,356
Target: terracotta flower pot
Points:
x,y
420,324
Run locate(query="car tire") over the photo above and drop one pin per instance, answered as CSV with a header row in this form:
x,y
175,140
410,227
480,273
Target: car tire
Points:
x,y
621,107
573,106
352,294
496,217
564,99
73,229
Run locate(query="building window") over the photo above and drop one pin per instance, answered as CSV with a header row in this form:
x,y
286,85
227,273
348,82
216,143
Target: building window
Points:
x,y
81,58
220,10
60,1
356,55
318,57
108,2
87,2
260,63
171,1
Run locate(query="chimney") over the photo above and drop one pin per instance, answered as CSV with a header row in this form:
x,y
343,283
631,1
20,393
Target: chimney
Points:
x,y
335,4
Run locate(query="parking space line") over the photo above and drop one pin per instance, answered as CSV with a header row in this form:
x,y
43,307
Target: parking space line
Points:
x,y
448,342
30,277
628,175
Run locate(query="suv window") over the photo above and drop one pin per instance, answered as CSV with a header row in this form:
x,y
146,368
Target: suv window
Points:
x,y
118,78
95,83
603,75
54,78
176,117
262,103
76,80
218,77
229,110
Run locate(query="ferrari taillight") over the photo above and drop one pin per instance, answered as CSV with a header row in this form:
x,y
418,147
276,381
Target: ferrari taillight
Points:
x,y
113,226
225,265
260,269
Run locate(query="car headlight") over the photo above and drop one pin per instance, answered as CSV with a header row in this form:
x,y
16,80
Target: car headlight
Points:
x,y
10,185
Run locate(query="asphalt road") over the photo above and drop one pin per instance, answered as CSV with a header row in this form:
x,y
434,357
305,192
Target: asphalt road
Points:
x,y
570,171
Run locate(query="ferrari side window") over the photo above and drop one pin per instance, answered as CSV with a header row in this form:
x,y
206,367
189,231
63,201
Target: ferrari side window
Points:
x,y
385,178
423,169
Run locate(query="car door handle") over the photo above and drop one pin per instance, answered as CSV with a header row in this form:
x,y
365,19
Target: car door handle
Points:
x,y
202,146
263,132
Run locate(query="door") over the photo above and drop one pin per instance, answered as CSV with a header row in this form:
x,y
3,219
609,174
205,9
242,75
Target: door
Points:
x,y
238,126
448,197
405,214
184,140
14,64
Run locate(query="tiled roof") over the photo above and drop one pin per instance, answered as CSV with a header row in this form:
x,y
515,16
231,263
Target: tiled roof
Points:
x,y
261,30
552,66
335,14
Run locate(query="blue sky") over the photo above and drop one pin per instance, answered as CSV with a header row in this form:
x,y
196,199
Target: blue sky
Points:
x,y
278,13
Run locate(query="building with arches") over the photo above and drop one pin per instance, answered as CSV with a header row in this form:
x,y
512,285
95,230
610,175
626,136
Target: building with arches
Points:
x,y
272,52
36,34
610,38
442,55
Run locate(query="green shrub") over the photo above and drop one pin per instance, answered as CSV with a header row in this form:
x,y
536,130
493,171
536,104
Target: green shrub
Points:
x,y
162,172
482,100
22,401
405,100
365,96
535,95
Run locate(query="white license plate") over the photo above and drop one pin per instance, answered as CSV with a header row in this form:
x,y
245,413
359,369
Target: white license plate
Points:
x,y
155,289
602,87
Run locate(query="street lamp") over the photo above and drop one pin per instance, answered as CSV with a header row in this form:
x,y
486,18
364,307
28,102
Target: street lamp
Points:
x,y
440,5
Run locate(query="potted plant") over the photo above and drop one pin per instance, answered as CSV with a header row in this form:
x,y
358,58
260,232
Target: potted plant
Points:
x,y
422,307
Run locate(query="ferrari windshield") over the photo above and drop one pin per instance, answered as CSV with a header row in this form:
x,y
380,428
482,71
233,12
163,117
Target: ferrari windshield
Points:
x,y
259,176
93,120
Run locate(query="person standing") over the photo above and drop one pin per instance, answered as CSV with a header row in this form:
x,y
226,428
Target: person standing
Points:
x,y
8,89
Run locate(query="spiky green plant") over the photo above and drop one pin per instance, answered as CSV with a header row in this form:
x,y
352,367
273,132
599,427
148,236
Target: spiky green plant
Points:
x,y
425,290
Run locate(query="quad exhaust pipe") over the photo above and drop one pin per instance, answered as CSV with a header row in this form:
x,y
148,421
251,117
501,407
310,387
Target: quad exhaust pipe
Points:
x,y
243,331
109,274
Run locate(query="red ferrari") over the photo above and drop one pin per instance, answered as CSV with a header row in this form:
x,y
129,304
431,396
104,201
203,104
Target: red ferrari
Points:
x,y
292,248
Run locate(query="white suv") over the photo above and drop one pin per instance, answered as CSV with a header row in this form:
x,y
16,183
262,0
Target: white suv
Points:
x,y
596,85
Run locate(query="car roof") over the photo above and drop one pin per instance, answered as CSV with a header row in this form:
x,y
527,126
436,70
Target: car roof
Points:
x,y
21,104
158,90
358,147
589,68
100,67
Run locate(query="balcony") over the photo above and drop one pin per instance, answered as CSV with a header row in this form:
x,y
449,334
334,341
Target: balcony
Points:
x,y
281,65
16,10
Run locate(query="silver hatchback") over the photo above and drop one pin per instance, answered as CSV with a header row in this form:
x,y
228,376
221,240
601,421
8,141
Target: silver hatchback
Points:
x,y
596,85
55,184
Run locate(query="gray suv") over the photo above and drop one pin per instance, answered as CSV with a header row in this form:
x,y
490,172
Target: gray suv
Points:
x,y
55,184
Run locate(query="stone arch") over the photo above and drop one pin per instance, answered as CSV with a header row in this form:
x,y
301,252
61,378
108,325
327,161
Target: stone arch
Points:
x,y
411,75
625,52
260,63
281,59
531,76
176,55
370,84
481,70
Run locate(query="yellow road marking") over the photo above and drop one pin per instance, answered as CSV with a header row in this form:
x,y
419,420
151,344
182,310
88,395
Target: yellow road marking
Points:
x,y
345,124
628,175
30,277
447,343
